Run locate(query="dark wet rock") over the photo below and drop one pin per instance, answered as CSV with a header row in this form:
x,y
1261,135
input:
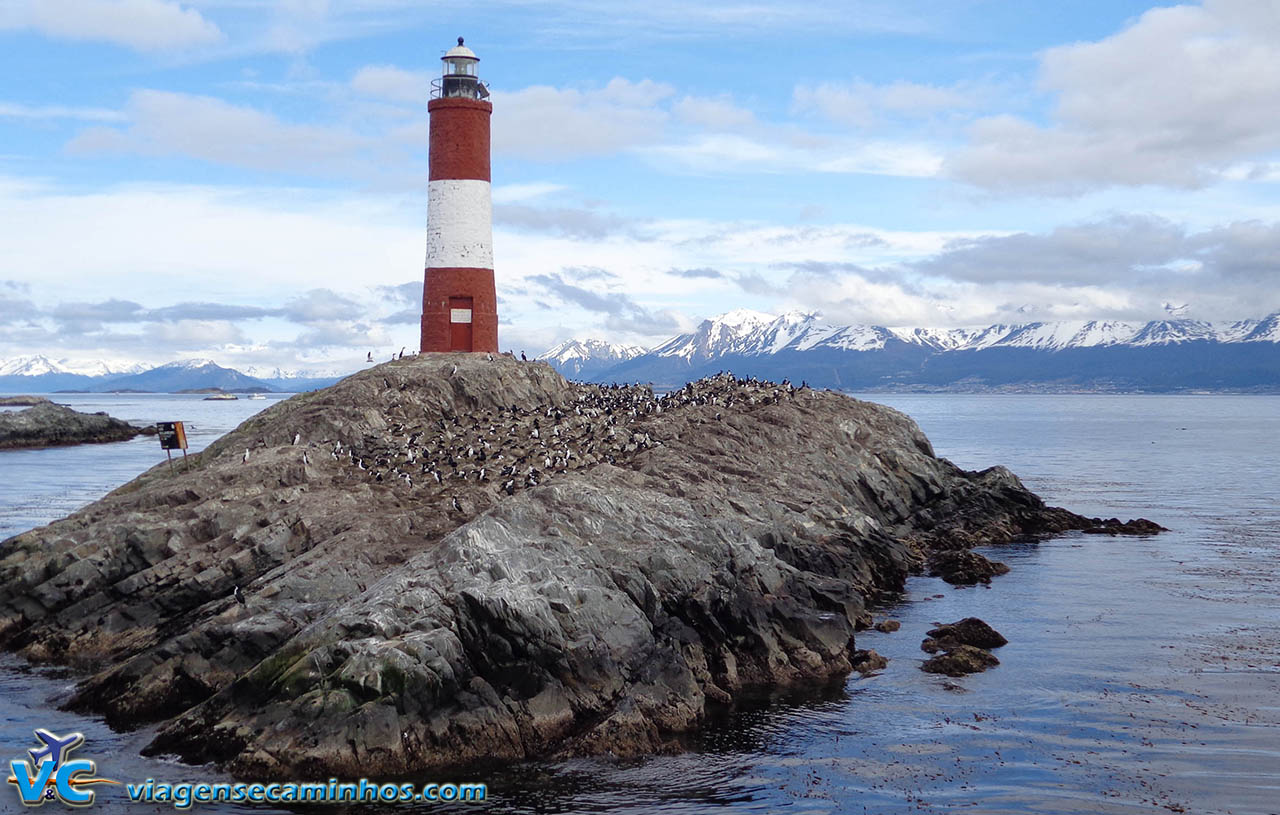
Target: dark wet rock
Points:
x,y
868,661
963,567
961,660
969,631
1114,526
51,425
678,560
888,626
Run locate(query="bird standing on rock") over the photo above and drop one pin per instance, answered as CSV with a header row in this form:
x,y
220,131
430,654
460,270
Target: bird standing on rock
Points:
x,y
236,593
245,460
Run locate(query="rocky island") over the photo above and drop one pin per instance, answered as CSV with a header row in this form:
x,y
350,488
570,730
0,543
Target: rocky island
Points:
x,y
448,558
47,424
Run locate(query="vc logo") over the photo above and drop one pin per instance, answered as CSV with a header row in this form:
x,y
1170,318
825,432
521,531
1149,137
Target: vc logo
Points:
x,y
52,773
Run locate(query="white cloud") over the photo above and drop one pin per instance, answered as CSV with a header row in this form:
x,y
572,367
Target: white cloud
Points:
x,y
862,104
164,123
144,25
515,193
13,110
1180,98
305,274
392,83
542,122
720,113
731,153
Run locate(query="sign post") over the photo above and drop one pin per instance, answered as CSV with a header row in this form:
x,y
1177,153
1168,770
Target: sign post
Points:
x,y
173,436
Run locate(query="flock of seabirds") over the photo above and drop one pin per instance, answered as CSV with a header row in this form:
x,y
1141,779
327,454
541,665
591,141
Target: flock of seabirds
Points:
x,y
513,448
509,449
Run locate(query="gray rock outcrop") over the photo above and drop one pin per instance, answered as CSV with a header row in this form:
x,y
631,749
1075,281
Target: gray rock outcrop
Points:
x,y
411,602
52,425
960,661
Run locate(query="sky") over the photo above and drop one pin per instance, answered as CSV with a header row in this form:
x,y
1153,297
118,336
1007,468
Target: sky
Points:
x,y
245,180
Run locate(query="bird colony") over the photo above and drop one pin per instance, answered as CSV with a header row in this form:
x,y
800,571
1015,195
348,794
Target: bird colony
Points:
x,y
467,460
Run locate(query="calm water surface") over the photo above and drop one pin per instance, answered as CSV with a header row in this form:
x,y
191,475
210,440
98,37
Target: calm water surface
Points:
x,y
1141,674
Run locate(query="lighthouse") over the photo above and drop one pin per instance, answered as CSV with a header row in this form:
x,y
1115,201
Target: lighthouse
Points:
x,y
459,303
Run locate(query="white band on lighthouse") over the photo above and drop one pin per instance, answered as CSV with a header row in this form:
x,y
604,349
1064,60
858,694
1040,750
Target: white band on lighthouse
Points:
x,y
459,231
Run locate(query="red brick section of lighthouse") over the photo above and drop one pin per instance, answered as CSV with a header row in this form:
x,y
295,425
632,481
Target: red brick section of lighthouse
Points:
x,y
459,274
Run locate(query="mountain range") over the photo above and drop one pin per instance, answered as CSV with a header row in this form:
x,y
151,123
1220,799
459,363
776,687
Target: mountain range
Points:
x,y
39,374
1096,355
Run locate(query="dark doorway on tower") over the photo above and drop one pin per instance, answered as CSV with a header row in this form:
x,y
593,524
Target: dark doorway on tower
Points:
x,y
459,323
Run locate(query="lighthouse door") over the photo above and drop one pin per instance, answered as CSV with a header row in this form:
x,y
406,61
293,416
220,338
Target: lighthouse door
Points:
x,y
459,323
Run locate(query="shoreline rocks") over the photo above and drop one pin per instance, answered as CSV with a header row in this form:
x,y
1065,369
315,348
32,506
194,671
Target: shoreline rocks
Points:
x,y
1114,526
962,567
965,646
960,661
646,561
47,424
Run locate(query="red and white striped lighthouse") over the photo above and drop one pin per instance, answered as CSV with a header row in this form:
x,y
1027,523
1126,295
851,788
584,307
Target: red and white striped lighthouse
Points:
x,y
459,303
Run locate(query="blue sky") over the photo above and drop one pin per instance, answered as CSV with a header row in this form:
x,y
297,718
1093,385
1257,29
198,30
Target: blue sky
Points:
x,y
246,179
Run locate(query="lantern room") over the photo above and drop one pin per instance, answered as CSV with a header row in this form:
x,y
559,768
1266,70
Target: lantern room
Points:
x,y
459,79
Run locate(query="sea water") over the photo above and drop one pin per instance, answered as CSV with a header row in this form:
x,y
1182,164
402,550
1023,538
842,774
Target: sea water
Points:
x,y
1142,674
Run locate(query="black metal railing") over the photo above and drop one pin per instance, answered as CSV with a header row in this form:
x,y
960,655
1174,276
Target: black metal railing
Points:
x,y
457,85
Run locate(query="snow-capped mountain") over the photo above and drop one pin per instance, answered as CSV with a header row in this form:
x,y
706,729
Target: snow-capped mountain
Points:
x,y
39,374
39,365
584,358
264,373
1166,354
184,374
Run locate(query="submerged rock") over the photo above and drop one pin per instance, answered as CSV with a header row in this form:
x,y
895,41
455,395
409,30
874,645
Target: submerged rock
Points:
x,y
962,567
440,564
969,631
1133,526
961,660
52,425
868,661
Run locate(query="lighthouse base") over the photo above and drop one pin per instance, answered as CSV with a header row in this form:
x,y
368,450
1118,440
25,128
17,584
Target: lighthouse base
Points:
x,y
459,311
